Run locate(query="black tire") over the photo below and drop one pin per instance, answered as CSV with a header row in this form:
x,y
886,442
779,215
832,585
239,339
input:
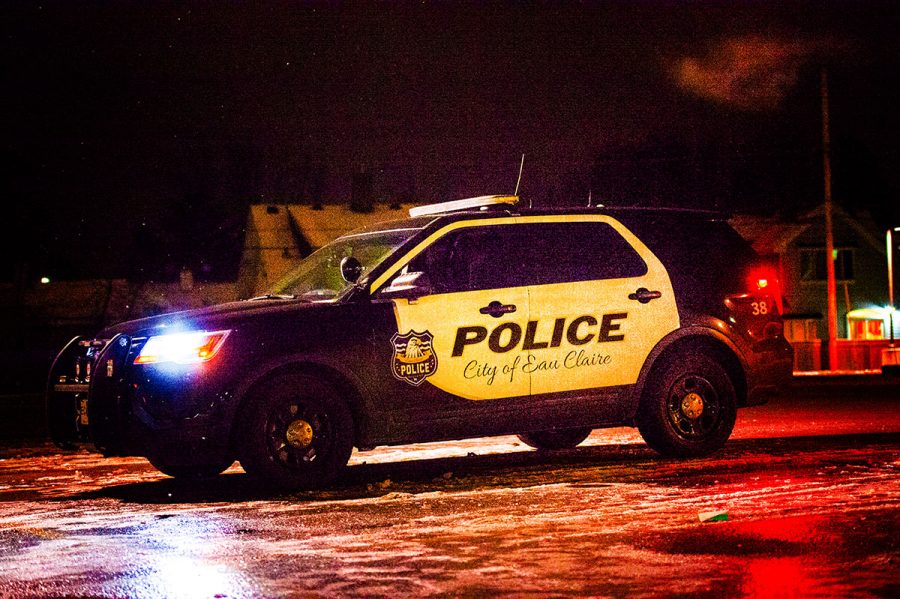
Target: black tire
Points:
x,y
688,407
193,472
297,433
560,439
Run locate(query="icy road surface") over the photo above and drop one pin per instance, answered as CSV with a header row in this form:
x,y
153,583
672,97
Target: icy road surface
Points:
x,y
811,486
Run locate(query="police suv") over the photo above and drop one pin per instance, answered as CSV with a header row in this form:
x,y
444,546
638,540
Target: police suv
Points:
x,y
470,318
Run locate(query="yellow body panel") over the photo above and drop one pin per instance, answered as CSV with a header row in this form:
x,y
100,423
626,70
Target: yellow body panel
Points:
x,y
562,337
478,373
612,361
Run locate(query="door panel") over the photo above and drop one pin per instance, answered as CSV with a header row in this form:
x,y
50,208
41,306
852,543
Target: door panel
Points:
x,y
599,332
474,318
603,337
476,353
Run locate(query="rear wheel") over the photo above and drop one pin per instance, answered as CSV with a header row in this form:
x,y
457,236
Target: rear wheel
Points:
x,y
192,472
560,439
688,407
298,432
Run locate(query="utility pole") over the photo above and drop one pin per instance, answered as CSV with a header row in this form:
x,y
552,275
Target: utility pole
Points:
x,y
889,238
829,231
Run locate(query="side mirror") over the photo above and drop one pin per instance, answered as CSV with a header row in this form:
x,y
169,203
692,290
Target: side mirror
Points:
x,y
351,269
409,285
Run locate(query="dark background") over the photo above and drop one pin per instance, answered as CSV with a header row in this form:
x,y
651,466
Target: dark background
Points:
x,y
135,134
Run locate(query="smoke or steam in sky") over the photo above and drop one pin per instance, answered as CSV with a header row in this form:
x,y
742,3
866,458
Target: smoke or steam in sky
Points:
x,y
750,72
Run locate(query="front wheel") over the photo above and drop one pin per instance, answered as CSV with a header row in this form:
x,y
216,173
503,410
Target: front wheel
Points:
x,y
298,432
561,439
688,407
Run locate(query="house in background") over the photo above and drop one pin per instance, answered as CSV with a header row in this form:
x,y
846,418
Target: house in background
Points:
x,y
279,235
797,248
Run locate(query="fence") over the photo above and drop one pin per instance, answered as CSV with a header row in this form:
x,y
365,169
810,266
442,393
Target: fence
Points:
x,y
852,354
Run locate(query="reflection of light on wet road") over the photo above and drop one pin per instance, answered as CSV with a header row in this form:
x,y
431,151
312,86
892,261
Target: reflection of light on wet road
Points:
x,y
177,576
177,557
777,577
122,554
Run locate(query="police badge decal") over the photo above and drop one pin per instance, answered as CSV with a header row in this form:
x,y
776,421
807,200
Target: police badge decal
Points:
x,y
414,359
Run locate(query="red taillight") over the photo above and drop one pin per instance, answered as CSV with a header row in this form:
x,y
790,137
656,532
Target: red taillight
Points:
x,y
764,279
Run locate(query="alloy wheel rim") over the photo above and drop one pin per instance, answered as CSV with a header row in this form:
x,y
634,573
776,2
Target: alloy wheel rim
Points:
x,y
693,407
297,434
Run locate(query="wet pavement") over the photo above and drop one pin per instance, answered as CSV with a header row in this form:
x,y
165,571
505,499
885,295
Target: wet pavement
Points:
x,y
810,485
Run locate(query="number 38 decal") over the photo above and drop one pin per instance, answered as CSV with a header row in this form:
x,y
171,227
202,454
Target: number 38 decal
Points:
x,y
759,308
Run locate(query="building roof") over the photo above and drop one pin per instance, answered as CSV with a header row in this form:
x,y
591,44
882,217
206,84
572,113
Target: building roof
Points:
x,y
770,235
320,226
279,235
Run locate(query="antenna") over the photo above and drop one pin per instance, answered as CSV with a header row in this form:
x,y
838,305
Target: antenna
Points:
x,y
519,180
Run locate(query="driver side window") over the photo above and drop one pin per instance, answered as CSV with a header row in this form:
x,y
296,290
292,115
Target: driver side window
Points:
x,y
444,264
472,259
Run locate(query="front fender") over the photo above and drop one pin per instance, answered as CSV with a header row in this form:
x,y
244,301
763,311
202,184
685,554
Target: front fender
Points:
x,y
336,371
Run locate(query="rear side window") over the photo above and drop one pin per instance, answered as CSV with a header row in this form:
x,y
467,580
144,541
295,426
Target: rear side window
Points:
x,y
498,256
580,251
705,259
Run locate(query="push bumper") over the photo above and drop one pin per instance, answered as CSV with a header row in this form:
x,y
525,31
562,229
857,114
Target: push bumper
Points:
x,y
95,396
85,394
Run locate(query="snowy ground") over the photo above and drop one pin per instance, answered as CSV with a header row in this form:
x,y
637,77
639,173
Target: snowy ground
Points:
x,y
811,487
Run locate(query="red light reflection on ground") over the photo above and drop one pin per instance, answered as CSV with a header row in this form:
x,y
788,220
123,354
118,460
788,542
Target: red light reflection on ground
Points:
x,y
777,577
779,560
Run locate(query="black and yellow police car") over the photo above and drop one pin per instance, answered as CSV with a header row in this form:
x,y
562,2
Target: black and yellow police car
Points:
x,y
469,318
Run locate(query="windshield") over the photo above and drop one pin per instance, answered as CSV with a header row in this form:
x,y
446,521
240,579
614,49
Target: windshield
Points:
x,y
318,276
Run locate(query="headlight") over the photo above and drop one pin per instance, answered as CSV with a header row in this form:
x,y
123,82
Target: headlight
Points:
x,y
182,348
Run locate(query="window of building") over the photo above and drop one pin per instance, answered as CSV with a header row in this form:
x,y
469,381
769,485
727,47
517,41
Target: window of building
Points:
x,y
869,323
813,267
801,329
866,329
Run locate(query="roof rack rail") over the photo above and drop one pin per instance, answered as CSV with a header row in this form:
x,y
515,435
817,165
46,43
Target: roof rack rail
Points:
x,y
481,202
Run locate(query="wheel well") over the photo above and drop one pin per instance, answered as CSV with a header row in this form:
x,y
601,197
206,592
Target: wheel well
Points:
x,y
344,387
717,350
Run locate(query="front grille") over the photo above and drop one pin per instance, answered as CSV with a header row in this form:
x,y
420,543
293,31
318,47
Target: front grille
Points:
x,y
84,363
86,392
81,363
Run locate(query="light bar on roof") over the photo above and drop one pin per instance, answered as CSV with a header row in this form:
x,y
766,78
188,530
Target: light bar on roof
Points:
x,y
466,204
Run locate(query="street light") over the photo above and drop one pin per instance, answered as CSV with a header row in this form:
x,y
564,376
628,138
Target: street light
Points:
x,y
890,356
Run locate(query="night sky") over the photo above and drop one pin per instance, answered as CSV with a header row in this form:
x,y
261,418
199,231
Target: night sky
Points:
x,y
135,135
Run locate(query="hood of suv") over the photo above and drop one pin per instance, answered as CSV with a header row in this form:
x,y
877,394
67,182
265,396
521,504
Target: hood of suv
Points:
x,y
220,315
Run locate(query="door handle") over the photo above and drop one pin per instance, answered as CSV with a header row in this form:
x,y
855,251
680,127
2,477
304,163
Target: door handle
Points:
x,y
644,295
496,309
